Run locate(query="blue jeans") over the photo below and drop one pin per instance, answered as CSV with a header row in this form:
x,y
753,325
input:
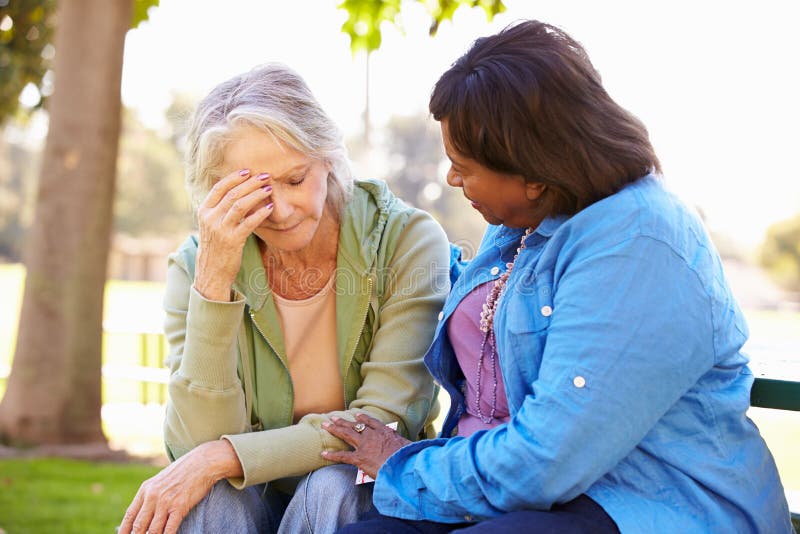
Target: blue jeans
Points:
x,y
324,501
579,516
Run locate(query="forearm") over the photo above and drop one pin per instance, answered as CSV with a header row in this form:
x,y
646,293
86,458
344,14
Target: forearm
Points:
x,y
283,452
196,416
206,398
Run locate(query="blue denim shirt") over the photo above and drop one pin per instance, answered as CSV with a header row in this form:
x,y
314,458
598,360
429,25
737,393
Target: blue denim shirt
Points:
x,y
619,343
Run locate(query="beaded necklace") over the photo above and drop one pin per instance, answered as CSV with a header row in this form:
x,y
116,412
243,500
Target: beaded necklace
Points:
x,y
487,327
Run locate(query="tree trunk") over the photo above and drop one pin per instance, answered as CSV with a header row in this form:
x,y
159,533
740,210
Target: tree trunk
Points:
x,y
53,393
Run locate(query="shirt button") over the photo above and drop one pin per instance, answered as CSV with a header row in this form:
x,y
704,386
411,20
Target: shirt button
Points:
x,y
495,270
441,315
578,381
547,311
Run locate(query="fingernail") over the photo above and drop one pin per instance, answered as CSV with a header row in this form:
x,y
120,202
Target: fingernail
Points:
x,y
324,453
262,176
334,418
267,188
325,424
244,172
269,206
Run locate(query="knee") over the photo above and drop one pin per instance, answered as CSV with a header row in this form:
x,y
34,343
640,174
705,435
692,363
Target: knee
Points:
x,y
225,507
326,499
222,494
333,480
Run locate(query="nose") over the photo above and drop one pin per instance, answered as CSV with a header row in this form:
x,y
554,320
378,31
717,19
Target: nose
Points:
x,y
454,179
281,209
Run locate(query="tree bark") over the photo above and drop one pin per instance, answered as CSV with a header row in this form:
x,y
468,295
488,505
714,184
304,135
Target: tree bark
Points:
x,y
53,393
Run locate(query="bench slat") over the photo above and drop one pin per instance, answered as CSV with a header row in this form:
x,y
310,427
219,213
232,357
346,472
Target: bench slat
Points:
x,y
775,394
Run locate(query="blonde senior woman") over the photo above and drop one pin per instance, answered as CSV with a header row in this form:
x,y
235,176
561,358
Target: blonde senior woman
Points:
x,y
307,295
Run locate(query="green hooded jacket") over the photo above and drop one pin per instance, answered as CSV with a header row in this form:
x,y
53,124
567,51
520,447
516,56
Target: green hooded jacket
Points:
x,y
229,375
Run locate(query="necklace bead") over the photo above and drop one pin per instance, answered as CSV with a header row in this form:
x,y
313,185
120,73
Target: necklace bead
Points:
x,y
487,327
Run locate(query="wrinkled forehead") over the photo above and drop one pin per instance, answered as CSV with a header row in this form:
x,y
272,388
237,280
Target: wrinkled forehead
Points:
x,y
247,147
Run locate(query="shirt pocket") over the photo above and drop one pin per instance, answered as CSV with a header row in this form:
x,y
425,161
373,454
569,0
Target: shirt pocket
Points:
x,y
530,303
529,312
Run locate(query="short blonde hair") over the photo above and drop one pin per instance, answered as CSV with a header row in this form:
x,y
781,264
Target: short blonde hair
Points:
x,y
274,99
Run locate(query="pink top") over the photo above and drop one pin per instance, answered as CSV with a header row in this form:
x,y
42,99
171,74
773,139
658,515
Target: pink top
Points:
x,y
309,335
465,335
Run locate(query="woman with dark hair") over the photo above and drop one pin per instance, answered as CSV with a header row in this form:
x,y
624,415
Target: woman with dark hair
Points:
x,y
592,349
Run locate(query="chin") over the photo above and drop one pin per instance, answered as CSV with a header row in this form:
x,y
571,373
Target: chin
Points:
x,y
492,219
292,241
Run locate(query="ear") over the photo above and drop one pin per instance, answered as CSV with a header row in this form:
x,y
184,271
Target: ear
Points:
x,y
533,190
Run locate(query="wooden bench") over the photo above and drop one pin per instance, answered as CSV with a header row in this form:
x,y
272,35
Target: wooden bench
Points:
x,y
777,395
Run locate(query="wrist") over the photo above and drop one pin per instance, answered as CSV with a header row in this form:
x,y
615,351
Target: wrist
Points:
x,y
212,290
222,460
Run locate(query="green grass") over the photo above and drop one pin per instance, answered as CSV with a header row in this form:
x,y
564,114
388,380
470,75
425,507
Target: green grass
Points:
x,y
54,495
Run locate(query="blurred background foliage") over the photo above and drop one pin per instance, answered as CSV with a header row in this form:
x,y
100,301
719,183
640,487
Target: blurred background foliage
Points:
x,y
26,29
26,52
151,199
780,254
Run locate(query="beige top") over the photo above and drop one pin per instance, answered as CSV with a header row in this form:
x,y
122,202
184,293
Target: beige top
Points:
x,y
309,335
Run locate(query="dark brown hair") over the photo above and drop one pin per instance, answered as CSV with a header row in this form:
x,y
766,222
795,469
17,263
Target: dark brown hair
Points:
x,y
529,101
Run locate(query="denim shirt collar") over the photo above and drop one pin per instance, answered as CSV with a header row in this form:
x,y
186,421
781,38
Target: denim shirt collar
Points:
x,y
481,269
504,235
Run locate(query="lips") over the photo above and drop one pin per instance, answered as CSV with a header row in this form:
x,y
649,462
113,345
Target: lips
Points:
x,y
474,204
286,229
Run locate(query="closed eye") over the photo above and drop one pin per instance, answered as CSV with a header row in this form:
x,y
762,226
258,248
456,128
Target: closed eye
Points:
x,y
295,182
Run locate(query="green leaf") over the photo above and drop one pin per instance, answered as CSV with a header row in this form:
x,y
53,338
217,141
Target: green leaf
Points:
x,y
364,20
141,11
443,11
492,8
365,17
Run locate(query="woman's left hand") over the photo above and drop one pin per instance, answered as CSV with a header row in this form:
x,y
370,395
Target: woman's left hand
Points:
x,y
372,446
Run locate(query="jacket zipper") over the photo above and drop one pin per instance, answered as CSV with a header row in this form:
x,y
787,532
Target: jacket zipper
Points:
x,y
291,384
360,333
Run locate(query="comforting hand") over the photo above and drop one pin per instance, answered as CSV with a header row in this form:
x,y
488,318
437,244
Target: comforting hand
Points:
x,y
164,500
231,211
372,446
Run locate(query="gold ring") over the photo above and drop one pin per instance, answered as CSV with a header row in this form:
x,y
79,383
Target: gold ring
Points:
x,y
359,427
